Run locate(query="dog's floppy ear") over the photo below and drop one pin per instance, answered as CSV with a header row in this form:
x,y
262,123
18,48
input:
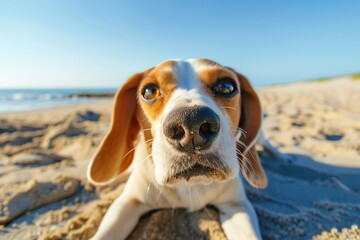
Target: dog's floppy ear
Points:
x,y
250,122
116,152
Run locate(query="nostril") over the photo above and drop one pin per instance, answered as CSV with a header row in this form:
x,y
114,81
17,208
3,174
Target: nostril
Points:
x,y
205,128
209,128
177,132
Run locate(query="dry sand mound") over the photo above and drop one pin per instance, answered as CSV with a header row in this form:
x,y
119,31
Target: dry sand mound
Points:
x,y
17,199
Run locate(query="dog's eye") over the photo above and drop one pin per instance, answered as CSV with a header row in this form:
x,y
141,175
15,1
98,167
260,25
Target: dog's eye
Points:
x,y
151,92
225,87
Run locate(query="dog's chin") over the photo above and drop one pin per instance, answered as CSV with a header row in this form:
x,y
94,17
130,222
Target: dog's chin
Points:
x,y
203,176
195,169
194,180
187,178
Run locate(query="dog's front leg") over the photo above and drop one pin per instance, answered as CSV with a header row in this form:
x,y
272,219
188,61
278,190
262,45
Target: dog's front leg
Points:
x,y
239,221
121,218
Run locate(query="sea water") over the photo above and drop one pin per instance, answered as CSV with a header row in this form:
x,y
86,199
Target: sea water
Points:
x,y
13,100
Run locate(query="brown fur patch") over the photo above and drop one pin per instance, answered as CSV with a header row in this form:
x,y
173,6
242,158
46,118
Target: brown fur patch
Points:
x,y
209,75
162,76
135,202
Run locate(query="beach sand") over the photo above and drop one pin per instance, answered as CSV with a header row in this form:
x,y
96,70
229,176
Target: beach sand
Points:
x,y
313,191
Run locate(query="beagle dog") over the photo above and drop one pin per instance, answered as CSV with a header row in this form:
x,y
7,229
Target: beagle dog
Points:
x,y
181,129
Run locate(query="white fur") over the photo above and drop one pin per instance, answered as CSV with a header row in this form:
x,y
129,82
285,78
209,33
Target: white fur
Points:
x,y
146,183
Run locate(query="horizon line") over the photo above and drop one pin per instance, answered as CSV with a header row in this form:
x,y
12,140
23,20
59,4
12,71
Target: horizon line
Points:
x,y
115,87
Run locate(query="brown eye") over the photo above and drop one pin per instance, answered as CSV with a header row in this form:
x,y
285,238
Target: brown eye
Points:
x,y
225,87
151,93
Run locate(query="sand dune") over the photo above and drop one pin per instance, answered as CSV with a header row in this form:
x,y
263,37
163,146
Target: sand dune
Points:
x,y
314,184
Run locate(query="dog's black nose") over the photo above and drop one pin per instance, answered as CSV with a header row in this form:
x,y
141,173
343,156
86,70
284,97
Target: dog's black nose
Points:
x,y
191,128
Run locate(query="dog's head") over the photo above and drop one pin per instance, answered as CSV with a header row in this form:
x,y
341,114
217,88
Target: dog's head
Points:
x,y
199,119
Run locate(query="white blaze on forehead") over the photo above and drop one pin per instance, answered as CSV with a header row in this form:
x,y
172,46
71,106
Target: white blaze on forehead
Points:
x,y
199,65
186,75
189,90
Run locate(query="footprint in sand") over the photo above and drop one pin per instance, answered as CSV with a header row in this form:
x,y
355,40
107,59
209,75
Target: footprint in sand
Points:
x,y
298,124
34,160
88,116
332,135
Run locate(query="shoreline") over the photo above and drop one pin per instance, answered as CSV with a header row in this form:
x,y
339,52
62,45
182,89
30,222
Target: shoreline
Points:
x,y
61,106
17,100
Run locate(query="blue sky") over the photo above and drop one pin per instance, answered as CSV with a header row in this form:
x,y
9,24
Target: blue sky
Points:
x,y
74,43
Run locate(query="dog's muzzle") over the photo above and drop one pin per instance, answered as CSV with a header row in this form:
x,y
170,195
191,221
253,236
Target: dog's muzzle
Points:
x,y
191,128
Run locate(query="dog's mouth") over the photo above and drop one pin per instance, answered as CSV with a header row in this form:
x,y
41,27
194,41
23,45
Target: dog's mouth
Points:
x,y
198,165
196,170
